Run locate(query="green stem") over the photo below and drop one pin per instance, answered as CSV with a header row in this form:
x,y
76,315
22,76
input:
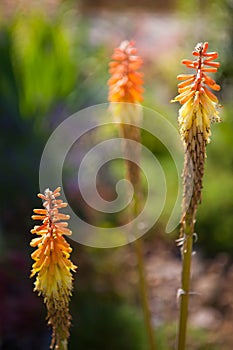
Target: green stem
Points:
x,y
185,291
144,295
143,284
127,133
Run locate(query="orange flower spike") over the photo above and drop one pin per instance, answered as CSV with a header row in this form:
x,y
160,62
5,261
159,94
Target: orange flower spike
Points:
x,y
125,84
52,265
194,93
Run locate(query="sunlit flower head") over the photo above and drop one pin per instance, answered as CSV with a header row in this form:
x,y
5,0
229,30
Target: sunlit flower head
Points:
x,y
125,84
52,264
200,105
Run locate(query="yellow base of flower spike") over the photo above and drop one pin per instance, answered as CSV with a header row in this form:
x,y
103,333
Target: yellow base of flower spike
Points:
x,y
53,266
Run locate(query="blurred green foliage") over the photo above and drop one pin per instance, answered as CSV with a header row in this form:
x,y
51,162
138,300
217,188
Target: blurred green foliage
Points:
x,y
43,60
121,325
108,322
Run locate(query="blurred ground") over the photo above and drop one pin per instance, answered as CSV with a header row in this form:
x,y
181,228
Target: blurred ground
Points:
x,y
211,304
113,277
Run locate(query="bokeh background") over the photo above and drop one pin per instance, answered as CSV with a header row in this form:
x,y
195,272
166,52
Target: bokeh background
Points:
x,y
53,62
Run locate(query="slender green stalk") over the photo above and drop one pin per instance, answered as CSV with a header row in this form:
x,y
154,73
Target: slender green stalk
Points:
x,y
132,174
142,283
185,290
144,294
141,268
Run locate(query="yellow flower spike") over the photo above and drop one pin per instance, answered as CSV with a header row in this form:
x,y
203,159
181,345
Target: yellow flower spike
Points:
x,y
52,265
199,109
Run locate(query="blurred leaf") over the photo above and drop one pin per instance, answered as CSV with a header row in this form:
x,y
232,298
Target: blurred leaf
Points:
x,y
43,58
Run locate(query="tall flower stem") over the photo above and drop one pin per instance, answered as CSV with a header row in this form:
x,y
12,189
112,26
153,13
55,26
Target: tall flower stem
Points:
x,y
125,94
133,175
142,274
185,286
144,294
199,109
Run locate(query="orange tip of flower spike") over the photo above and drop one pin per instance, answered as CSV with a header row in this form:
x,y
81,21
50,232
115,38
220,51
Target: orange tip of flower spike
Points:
x,y
199,82
125,84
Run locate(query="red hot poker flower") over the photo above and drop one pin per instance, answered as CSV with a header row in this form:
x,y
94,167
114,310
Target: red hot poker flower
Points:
x,y
199,103
125,84
52,265
199,109
125,95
